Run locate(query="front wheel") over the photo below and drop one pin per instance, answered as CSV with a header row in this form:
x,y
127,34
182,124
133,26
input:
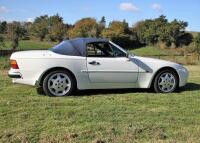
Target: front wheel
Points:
x,y
59,83
166,81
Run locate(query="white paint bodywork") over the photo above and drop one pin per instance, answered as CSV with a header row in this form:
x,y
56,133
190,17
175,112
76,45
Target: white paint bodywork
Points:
x,y
122,72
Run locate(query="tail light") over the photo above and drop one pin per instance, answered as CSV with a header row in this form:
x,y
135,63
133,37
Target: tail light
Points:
x,y
13,64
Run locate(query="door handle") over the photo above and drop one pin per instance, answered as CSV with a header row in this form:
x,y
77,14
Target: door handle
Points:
x,y
94,63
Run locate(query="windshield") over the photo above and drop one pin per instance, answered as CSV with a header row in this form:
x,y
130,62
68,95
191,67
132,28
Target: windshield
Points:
x,y
125,51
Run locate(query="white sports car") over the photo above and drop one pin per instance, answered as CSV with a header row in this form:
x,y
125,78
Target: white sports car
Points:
x,y
90,63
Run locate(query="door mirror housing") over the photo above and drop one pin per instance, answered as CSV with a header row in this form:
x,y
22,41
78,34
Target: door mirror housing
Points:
x,y
128,54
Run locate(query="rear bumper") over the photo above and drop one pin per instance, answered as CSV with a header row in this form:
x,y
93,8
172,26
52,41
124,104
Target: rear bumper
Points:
x,y
14,76
12,73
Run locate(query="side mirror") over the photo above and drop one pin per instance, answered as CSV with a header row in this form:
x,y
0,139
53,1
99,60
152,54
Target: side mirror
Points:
x,y
129,55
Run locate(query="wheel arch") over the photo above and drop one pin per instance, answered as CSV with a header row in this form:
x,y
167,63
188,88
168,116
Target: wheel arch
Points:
x,y
161,69
39,82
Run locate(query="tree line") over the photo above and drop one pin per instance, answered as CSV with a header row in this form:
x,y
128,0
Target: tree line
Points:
x,y
159,31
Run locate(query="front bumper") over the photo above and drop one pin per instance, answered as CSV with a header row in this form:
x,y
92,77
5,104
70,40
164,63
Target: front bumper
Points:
x,y
13,73
183,75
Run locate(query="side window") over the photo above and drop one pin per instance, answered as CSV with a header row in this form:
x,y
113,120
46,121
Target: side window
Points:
x,y
101,49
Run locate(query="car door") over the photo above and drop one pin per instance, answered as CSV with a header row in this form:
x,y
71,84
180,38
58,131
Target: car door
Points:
x,y
108,64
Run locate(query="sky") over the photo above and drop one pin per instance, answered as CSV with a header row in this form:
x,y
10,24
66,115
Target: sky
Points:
x,y
131,10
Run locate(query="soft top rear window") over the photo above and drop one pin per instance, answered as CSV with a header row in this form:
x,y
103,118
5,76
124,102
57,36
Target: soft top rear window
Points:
x,y
65,48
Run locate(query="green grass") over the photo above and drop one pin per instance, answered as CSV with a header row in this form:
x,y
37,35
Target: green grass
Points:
x,y
174,55
151,51
4,62
111,116
194,34
31,44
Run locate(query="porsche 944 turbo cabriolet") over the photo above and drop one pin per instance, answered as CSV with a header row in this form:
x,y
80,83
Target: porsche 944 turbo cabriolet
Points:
x,y
91,63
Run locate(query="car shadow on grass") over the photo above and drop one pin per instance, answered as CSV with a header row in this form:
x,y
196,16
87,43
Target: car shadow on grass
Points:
x,y
93,92
188,87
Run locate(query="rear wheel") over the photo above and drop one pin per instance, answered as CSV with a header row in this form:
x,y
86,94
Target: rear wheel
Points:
x,y
166,81
59,83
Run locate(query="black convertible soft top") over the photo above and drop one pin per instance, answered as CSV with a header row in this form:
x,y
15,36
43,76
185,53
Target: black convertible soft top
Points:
x,y
75,47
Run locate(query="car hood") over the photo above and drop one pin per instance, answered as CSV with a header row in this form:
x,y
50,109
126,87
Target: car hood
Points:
x,y
152,60
151,64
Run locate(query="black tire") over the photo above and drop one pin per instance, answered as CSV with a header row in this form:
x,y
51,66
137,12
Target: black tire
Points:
x,y
156,87
48,91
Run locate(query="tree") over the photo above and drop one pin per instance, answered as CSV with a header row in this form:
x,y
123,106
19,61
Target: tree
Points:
x,y
86,27
159,30
115,29
176,29
184,39
197,43
57,31
2,44
103,22
14,32
57,28
3,26
54,19
120,33
126,27
101,25
151,31
40,27
23,32
28,26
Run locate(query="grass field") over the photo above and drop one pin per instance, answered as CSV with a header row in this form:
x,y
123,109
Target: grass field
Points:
x,y
107,115
151,50
91,116
31,44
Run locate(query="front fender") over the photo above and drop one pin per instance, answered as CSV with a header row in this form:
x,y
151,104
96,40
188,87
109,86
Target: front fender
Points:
x,y
145,77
